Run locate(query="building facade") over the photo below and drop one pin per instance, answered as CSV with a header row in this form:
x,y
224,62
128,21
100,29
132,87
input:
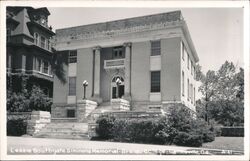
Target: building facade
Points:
x,y
29,52
153,57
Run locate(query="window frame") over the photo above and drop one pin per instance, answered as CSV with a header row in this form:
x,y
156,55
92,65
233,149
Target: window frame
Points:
x,y
72,57
155,85
155,49
45,67
36,38
183,83
72,87
43,44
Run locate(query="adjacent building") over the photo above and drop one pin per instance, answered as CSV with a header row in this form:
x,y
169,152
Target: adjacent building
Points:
x,y
153,58
29,52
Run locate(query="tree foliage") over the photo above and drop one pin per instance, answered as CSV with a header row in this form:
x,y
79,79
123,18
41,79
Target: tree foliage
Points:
x,y
27,101
223,95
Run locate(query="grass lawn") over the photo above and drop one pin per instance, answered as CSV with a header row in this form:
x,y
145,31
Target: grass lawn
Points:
x,y
229,143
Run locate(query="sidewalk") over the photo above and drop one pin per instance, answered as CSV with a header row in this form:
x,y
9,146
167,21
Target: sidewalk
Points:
x,y
33,146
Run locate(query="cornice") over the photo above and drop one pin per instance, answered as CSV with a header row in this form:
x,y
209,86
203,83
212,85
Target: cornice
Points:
x,y
113,33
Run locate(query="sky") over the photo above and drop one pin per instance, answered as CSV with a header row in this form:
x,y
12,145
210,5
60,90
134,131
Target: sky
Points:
x,y
217,33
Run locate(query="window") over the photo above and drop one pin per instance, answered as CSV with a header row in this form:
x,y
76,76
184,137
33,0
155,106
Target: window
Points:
x,y
72,86
117,53
194,95
188,61
183,84
8,34
48,46
192,68
188,89
155,48
39,65
73,56
155,81
71,113
45,67
43,42
191,92
36,38
183,51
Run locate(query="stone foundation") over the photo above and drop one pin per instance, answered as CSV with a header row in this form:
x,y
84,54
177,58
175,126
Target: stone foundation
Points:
x,y
84,108
120,104
39,119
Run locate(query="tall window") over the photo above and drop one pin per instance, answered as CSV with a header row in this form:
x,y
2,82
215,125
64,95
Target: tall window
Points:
x,y
188,61
191,92
188,89
194,95
48,44
183,51
155,81
46,67
155,47
43,42
8,34
36,38
39,65
73,56
72,86
192,68
183,83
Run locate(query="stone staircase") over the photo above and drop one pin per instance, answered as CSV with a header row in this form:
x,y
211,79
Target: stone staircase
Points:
x,y
64,130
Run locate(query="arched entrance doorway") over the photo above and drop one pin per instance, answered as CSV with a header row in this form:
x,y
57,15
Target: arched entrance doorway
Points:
x,y
114,90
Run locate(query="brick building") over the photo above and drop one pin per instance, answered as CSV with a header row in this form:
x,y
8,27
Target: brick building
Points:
x,y
29,52
153,57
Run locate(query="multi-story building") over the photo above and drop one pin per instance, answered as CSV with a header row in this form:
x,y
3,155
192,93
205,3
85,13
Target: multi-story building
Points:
x,y
29,50
153,57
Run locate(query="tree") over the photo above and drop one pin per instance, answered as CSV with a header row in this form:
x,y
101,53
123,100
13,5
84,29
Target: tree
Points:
x,y
222,92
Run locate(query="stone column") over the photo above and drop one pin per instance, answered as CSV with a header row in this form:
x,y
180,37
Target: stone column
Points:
x,y
127,78
97,52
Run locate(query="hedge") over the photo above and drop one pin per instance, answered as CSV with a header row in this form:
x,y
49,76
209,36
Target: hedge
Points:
x,y
155,131
232,131
16,127
17,123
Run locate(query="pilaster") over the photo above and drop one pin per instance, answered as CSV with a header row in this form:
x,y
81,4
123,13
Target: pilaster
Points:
x,y
97,52
127,79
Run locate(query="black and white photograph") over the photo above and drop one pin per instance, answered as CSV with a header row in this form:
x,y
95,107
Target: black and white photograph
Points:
x,y
124,80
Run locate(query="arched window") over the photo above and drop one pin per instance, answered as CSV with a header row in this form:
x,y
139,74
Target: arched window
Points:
x,y
116,77
36,38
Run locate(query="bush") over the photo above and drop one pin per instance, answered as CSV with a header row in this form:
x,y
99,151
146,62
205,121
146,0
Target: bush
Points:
x,y
186,139
104,129
16,127
232,131
179,127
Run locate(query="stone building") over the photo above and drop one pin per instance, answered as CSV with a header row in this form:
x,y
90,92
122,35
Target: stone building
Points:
x,y
153,58
29,52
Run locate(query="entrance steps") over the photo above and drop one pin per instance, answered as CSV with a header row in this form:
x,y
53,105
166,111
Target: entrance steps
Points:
x,y
64,130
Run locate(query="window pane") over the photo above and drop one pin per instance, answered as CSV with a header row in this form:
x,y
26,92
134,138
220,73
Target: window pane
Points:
x,y
45,67
72,86
155,48
42,42
155,81
73,56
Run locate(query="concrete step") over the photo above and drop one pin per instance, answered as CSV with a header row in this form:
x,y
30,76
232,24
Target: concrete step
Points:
x,y
67,130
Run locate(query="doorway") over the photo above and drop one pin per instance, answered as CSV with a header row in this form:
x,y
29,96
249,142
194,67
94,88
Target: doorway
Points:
x,y
114,90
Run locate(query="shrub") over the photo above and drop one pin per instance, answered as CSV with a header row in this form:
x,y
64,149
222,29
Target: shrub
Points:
x,y
104,129
186,139
232,131
16,127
